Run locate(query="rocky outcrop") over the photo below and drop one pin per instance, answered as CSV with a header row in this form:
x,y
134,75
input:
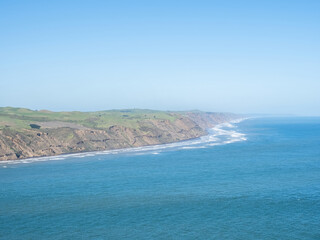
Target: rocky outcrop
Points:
x,y
57,138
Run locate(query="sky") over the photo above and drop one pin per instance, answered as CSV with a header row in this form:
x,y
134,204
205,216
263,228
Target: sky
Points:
x,y
219,55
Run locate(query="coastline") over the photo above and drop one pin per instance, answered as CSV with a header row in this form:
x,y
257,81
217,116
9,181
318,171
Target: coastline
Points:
x,y
92,153
210,138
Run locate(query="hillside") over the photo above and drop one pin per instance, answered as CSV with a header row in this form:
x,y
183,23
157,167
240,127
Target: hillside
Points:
x,y
26,133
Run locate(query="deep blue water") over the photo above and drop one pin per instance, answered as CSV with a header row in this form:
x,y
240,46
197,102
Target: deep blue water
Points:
x,y
267,187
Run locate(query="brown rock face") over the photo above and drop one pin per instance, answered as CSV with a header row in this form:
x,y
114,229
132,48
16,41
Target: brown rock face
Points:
x,y
208,120
68,139
47,141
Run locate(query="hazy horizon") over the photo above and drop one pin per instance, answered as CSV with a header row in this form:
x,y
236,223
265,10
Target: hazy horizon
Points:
x,y
169,110
222,56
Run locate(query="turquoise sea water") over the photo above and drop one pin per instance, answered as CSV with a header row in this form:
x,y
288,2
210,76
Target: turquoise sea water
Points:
x,y
257,180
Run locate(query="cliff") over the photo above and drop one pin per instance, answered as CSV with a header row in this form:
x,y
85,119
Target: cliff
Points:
x,y
25,133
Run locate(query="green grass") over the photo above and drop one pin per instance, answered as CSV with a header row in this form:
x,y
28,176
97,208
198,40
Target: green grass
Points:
x,y
21,118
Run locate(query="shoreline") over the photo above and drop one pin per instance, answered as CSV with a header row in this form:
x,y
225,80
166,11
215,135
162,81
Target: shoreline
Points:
x,y
103,152
92,153
184,144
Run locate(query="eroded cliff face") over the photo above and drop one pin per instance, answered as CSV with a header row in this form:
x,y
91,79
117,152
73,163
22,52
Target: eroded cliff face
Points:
x,y
60,140
54,138
208,119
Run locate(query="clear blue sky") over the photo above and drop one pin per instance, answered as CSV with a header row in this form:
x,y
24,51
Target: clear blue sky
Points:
x,y
236,56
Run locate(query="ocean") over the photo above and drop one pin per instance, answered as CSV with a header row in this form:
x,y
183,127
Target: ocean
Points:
x,y
255,179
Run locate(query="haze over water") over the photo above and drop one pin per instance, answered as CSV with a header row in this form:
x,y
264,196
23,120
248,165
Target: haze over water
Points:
x,y
258,179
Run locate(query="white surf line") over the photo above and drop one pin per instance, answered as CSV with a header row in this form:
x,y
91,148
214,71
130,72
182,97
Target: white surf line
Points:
x,y
212,139
231,135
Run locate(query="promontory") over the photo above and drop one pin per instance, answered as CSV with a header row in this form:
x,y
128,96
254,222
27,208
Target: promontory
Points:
x,y
26,133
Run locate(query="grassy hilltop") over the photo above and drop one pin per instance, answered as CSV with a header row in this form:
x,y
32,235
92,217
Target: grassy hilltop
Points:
x,y
21,118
